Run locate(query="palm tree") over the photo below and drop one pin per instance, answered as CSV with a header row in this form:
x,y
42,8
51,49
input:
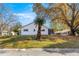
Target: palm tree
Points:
x,y
39,22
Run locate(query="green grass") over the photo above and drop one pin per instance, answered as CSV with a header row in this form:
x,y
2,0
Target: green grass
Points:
x,y
30,42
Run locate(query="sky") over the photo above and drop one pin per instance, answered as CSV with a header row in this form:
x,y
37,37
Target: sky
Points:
x,y
24,11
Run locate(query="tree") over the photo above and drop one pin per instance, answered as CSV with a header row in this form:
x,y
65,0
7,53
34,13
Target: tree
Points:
x,y
16,28
39,22
66,13
7,18
49,13
70,17
74,23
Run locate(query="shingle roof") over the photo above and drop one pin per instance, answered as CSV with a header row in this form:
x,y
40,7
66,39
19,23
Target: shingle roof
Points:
x,y
32,23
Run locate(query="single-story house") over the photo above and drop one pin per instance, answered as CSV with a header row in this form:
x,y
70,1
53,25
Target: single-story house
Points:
x,y
31,29
7,33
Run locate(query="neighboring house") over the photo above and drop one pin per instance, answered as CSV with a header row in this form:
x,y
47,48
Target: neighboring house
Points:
x,y
5,33
63,32
31,29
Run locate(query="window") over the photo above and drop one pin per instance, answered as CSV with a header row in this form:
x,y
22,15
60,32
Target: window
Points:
x,y
25,29
43,29
34,29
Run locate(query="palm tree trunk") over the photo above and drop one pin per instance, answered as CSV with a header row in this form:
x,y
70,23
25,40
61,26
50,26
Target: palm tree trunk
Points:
x,y
39,33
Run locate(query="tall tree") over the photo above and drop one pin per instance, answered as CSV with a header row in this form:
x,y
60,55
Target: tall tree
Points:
x,y
41,11
66,13
51,12
74,23
70,17
39,22
7,18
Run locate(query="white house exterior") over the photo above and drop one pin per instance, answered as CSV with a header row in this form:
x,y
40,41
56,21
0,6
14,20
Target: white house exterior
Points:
x,y
5,33
31,29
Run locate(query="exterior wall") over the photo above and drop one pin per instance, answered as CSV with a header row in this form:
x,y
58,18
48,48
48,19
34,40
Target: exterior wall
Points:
x,y
32,30
5,33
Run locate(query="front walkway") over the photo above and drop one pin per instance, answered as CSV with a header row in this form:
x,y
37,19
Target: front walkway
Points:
x,y
40,52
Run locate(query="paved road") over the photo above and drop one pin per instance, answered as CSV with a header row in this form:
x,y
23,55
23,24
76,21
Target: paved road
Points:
x,y
39,52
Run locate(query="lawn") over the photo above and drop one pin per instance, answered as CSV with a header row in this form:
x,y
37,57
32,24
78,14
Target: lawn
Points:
x,y
30,42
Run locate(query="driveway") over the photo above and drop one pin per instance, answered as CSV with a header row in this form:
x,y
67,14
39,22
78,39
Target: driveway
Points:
x,y
40,52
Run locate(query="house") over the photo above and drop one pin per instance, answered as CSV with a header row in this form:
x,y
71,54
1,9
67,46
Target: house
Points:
x,y
5,33
31,29
63,32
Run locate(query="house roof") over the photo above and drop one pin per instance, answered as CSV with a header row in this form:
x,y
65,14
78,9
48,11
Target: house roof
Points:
x,y
32,23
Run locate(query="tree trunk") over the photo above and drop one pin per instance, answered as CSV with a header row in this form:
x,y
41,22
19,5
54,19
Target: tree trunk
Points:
x,y
39,33
0,32
72,32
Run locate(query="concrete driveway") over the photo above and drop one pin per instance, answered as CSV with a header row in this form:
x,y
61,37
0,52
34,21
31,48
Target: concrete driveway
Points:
x,y
40,52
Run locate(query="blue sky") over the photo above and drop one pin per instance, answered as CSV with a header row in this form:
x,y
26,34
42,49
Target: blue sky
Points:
x,y
24,11
20,7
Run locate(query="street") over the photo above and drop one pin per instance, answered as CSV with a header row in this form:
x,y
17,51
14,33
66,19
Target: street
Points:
x,y
40,52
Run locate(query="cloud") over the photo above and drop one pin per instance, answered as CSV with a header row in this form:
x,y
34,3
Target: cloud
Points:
x,y
26,15
26,18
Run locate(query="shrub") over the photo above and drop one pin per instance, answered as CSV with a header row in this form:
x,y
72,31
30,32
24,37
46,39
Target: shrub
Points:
x,y
3,37
23,37
77,31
